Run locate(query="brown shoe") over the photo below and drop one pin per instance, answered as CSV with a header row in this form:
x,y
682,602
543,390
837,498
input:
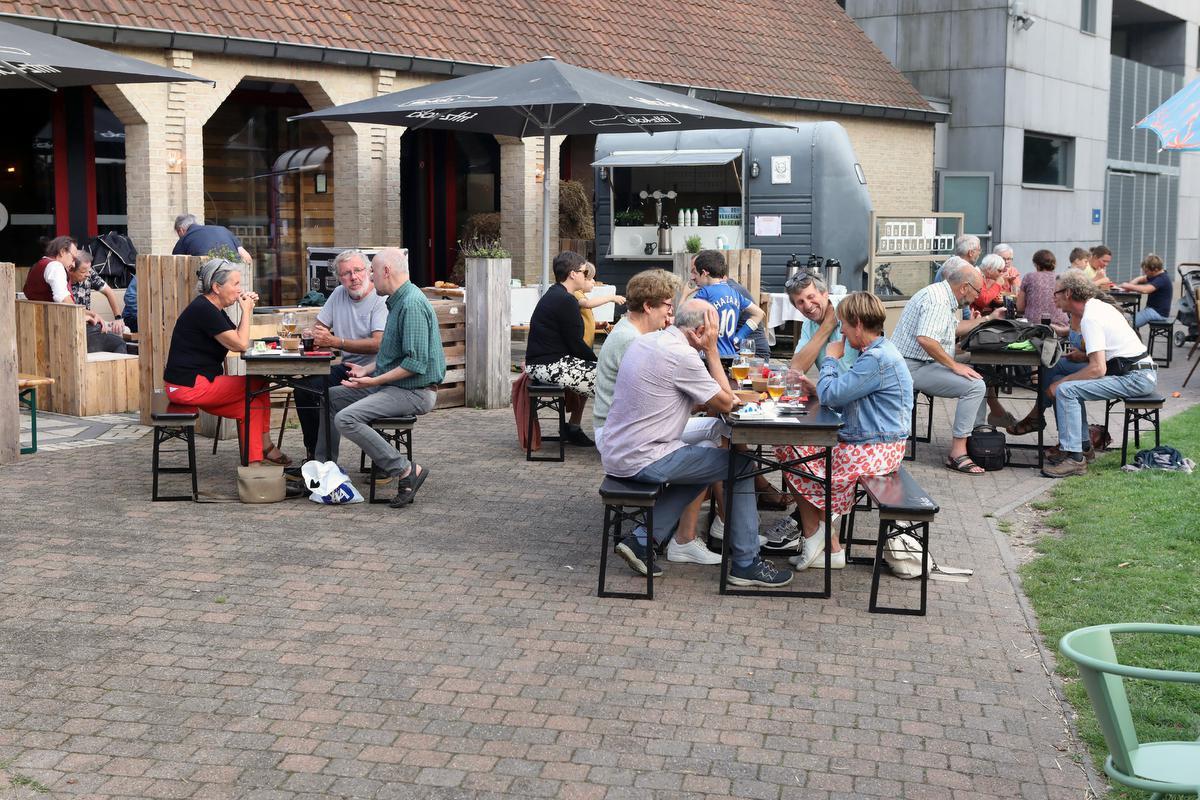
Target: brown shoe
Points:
x,y
1068,466
1054,455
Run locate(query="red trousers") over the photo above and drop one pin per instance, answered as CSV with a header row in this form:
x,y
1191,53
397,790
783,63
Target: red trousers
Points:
x,y
226,397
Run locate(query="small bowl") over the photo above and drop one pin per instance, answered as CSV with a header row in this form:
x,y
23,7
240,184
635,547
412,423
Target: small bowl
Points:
x,y
290,343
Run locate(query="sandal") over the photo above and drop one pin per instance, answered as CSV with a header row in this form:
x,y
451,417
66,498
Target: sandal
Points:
x,y
408,485
279,458
1025,426
963,464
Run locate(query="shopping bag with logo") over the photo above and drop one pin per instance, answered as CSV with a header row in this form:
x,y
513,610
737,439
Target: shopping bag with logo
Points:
x,y
329,484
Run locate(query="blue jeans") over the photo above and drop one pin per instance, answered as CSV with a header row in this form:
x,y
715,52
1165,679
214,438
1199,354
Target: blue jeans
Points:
x,y
1062,369
687,471
1147,315
1069,400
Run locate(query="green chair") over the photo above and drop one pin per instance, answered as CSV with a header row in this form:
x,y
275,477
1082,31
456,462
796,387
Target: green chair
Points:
x,y
1158,767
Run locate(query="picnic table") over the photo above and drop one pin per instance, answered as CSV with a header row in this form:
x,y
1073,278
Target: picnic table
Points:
x,y
279,369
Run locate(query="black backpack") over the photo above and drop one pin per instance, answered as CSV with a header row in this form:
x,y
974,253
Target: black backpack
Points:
x,y
114,258
996,335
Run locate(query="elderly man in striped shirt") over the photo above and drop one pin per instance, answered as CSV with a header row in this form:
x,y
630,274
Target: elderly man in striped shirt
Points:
x,y
925,336
402,381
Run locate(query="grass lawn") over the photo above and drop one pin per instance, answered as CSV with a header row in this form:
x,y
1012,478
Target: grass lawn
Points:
x,y
1129,551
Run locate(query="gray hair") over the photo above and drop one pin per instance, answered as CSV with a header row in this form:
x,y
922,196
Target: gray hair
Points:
x,y
1001,249
345,256
692,314
394,258
802,280
83,256
965,244
991,262
184,221
214,272
1079,287
960,273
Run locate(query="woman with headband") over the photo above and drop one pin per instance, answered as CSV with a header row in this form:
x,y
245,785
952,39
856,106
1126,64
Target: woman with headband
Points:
x,y
194,373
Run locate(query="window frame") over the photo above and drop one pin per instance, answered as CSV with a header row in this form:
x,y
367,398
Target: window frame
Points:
x,y
1068,183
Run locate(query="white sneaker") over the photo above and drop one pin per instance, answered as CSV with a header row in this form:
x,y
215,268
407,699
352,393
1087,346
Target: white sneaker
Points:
x,y
813,547
716,532
694,552
836,561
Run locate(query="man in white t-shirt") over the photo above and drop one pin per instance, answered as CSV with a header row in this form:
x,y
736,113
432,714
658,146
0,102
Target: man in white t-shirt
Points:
x,y
352,320
1118,367
662,377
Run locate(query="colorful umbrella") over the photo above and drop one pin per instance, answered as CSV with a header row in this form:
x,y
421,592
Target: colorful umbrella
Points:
x,y
1175,121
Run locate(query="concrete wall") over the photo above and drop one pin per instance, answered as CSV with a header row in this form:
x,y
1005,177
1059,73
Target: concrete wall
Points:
x,y
1052,78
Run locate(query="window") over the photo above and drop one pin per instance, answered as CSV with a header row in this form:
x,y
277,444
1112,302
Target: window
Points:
x,y
1047,160
1087,16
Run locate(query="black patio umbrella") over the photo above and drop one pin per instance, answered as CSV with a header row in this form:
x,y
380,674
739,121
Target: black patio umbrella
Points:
x,y
545,97
31,58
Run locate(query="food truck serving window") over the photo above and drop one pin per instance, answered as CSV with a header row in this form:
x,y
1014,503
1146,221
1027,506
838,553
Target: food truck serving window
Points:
x,y
668,158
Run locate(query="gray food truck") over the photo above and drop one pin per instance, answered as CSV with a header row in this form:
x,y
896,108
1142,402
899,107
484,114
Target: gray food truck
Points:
x,y
788,190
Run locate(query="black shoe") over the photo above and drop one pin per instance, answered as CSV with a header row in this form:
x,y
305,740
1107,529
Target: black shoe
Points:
x,y
576,436
408,485
635,556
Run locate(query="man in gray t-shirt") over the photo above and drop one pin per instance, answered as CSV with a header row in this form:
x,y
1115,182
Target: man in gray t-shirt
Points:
x,y
352,320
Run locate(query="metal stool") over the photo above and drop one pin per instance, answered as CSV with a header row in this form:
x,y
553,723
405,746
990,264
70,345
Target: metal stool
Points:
x,y
1161,330
617,495
554,397
397,431
913,438
172,421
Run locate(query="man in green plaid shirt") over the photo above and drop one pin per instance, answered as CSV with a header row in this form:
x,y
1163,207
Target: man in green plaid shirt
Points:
x,y
402,382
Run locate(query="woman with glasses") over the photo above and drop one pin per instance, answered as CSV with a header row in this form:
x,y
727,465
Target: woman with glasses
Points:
x,y
203,335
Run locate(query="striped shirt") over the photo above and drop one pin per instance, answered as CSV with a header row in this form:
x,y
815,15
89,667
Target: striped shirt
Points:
x,y
933,313
411,339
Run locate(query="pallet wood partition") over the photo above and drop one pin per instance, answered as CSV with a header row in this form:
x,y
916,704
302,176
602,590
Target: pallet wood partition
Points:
x,y
166,284
452,318
745,267
10,414
51,342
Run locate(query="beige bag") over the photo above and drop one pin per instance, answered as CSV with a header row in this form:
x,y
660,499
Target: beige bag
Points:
x,y
261,483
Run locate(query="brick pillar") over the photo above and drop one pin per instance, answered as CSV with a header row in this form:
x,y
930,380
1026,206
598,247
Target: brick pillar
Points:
x,y
521,203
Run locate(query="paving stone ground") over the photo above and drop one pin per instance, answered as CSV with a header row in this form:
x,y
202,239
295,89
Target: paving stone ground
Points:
x,y
456,649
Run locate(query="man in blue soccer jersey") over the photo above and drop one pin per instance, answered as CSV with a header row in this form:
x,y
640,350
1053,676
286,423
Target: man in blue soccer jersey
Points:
x,y
710,275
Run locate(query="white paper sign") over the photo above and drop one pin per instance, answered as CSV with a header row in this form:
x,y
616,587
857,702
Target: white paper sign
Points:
x,y
781,169
768,226
928,227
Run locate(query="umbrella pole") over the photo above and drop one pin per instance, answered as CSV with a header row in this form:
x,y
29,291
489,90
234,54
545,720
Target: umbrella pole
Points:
x,y
545,210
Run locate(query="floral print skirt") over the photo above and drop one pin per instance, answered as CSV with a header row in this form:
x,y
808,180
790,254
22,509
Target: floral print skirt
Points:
x,y
850,461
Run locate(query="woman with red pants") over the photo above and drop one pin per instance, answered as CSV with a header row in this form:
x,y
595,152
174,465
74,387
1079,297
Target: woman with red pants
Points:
x,y
194,373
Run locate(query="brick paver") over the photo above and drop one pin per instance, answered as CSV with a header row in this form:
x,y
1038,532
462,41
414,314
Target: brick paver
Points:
x,y
457,649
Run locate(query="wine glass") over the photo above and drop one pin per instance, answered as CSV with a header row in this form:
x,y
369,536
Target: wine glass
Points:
x,y
775,385
289,324
740,370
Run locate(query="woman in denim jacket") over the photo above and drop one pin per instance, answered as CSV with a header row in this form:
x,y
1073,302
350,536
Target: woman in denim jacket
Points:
x,y
875,397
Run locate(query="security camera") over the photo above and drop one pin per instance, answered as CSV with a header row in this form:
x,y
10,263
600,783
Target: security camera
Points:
x,y
1021,20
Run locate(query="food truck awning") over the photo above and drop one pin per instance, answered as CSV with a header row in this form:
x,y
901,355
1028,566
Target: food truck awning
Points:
x,y
668,158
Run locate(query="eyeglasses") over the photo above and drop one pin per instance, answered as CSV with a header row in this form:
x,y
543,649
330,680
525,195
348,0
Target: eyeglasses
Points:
x,y
976,289
348,273
1057,292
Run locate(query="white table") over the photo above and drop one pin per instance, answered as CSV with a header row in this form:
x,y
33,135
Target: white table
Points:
x,y
524,299
781,310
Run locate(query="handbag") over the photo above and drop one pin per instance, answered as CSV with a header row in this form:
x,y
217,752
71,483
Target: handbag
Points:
x,y
1009,335
902,554
261,483
988,447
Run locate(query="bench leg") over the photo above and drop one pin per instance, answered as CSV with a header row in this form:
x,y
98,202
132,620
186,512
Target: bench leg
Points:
x,y
887,530
861,503
558,404
614,517
191,444
28,398
158,439
1125,440
185,434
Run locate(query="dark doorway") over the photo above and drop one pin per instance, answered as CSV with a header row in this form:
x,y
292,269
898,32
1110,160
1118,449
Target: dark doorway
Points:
x,y
446,178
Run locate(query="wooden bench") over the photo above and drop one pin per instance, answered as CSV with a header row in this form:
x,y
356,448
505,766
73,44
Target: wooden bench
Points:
x,y
1137,410
920,399
27,386
172,421
396,431
52,341
618,494
904,507
547,396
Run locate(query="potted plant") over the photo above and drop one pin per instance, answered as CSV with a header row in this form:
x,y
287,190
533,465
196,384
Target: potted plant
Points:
x,y
692,243
630,217
489,313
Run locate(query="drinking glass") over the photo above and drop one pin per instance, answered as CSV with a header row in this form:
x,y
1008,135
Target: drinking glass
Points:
x,y
775,385
289,324
740,370
795,388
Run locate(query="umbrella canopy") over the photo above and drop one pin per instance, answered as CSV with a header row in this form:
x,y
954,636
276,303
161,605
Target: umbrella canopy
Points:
x,y
545,97
1175,121
30,58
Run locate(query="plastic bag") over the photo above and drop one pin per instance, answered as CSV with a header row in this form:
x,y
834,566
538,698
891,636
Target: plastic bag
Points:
x,y
329,484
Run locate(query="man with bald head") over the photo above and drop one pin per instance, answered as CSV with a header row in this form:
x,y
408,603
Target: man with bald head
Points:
x,y
925,336
400,382
663,377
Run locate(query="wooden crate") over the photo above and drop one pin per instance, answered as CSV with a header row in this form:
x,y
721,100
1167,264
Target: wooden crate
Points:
x,y
745,267
452,323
